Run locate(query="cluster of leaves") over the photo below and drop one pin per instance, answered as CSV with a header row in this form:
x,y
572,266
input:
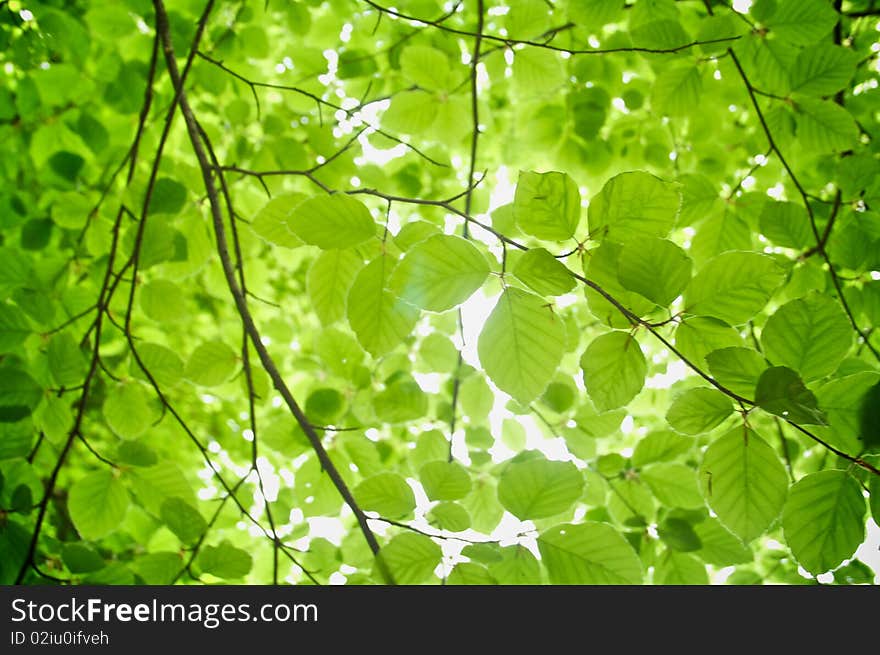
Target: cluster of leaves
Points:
x,y
247,246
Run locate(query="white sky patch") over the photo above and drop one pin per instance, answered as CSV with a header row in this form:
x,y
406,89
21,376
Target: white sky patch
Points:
x,y
742,6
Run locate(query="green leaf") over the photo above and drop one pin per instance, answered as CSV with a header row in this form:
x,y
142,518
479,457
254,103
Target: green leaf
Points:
x,y
225,561
184,520
677,90
676,568
673,484
824,126
547,205
521,344
165,366
660,447
811,335
614,370
332,221
97,504
743,482
425,67
537,72
410,112
79,558
823,69
588,554
824,519
14,328
679,535
543,273
439,273
538,488
66,360
127,410
781,391
468,573
169,196
19,395
379,319
386,493
875,499
445,480
848,402
734,286
699,410
718,546
329,280
211,364
737,368
411,558
786,224
655,268
593,13
632,205
272,222
517,566
450,516
801,22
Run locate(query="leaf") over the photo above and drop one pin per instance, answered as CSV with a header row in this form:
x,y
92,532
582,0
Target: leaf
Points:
x,y
411,558
332,221
614,370
97,504
169,196
673,484
734,286
811,335
743,482
14,327
225,561
410,112
425,67
699,410
824,126
521,344
655,268
165,366
780,391
718,546
850,404
211,364
272,222
679,535
184,520
802,22
547,205
824,519
676,568
660,447
329,280
468,573
538,488
79,558
388,494
439,273
786,224
823,69
517,566
379,319
737,368
634,204
537,72
588,554
19,395
127,410
543,273
450,516
445,480
677,90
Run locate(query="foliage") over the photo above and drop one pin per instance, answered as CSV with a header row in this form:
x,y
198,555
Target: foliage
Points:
x,y
569,292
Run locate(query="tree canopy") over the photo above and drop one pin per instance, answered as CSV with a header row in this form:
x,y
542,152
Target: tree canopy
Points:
x,y
462,292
